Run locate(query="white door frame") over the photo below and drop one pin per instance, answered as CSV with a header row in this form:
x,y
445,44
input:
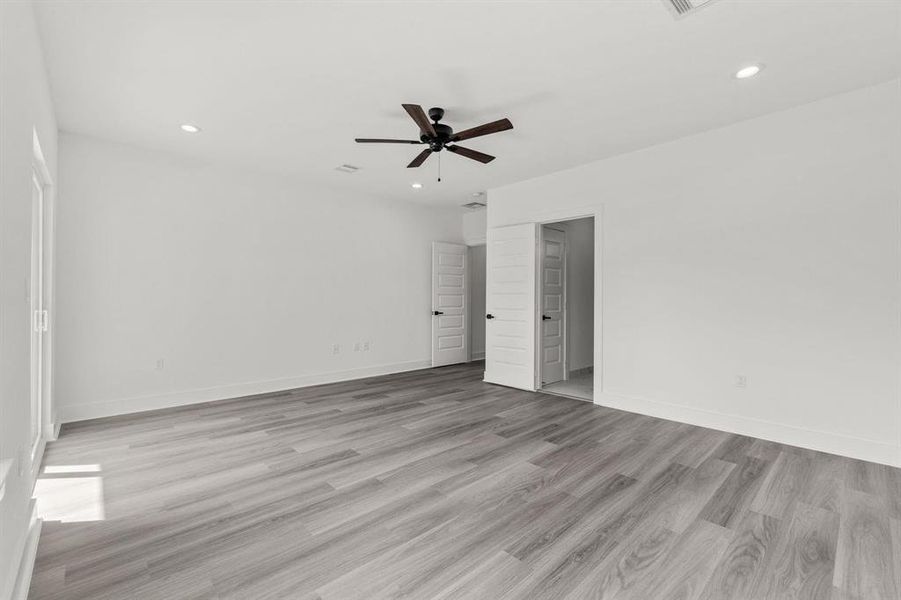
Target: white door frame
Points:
x,y
41,172
559,216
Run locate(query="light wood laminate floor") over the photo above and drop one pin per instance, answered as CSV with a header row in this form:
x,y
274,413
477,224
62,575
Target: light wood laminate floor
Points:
x,y
434,485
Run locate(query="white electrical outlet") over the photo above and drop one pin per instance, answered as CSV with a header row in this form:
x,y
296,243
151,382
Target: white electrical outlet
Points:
x,y
366,346
336,349
160,364
741,381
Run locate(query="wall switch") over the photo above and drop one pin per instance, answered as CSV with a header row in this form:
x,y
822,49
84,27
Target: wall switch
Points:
x,y
336,349
741,381
366,346
160,364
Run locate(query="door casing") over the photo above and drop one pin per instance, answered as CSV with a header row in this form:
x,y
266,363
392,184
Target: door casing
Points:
x,y
559,216
49,424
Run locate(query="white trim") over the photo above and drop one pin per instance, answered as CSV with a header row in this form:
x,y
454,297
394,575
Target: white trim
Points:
x,y
26,551
478,356
823,441
49,421
108,408
38,159
37,459
6,467
558,215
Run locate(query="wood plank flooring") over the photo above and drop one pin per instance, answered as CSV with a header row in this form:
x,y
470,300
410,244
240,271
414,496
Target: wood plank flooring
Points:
x,y
435,485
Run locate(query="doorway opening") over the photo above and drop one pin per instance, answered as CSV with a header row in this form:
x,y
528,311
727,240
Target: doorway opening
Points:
x,y
566,308
477,270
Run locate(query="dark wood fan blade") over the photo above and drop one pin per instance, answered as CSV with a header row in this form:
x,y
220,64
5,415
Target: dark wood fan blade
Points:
x,y
415,111
381,141
473,154
420,158
493,127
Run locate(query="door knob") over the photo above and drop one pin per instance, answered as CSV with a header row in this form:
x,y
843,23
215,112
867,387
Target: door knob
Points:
x,y
437,312
545,318
489,316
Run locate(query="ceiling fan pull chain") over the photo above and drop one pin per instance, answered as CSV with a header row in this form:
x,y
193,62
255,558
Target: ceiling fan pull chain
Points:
x,y
439,167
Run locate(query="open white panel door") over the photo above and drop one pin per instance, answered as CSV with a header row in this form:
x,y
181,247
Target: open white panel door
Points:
x,y
450,305
553,305
510,304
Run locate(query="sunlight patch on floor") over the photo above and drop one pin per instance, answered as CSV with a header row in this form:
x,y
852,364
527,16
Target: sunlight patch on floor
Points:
x,y
70,493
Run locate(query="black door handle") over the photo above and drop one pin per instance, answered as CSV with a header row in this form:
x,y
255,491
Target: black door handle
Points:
x,y
545,318
437,312
489,316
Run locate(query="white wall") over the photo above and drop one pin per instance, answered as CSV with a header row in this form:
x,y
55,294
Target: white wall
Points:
x,y
579,292
239,282
475,226
25,107
770,249
477,301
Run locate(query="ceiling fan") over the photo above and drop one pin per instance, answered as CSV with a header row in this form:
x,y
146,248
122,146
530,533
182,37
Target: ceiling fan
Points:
x,y
440,137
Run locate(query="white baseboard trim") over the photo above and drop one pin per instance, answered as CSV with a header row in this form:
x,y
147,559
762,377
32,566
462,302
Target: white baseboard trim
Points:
x,y
478,356
26,552
109,408
833,443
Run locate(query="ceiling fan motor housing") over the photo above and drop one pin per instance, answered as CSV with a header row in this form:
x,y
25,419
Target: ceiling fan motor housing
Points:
x,y
443,133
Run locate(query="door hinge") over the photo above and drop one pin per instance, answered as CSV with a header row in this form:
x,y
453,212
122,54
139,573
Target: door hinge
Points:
x,y
40,320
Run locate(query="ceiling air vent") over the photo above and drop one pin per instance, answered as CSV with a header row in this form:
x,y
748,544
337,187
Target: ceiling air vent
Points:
x,y
347,169
475,205
684,7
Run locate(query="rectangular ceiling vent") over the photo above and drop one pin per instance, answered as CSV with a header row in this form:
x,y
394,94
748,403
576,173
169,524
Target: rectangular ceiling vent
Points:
x,y
347,169
475,205
682,8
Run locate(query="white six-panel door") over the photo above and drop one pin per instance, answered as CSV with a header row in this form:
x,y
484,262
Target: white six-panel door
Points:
x,y
450,305
510,283
553,305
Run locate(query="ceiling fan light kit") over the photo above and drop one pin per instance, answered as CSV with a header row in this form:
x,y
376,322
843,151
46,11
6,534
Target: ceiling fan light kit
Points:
x,y
439,136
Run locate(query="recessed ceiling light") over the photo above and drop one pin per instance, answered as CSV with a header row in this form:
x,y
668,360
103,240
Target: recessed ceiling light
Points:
x,y
749,71
416,186
189,128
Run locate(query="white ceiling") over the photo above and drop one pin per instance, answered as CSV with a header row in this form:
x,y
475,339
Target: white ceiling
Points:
x,y
286,86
